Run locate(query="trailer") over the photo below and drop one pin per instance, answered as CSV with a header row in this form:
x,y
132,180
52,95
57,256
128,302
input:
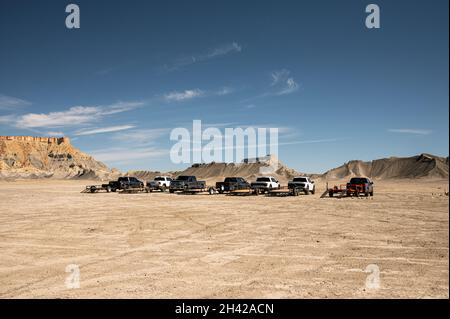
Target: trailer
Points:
x,y
285,191
211,190
242,192
133,190
349,190
96,189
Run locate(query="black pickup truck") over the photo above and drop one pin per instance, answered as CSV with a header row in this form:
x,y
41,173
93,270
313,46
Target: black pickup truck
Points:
x,y
123,183
232,184
186,183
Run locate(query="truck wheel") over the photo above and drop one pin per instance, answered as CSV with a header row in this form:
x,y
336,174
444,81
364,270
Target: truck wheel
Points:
x,y
163,188
113,190
108,189
366,194
295,191
171,191
313,190
306,191
330,194
371,193
211,191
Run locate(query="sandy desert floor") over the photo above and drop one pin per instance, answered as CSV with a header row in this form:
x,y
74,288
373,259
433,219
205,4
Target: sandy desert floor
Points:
x,y
173,246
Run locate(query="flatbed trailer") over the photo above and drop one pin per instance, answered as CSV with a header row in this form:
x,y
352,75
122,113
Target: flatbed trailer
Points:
x,y
284,191
192,191
344,190
132,190
242,192
95,189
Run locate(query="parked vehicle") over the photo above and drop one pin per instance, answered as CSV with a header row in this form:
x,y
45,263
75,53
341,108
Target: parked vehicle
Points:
x,y
123,183
355,187
359,185
231,184
186,183
265,183
303,184
159,183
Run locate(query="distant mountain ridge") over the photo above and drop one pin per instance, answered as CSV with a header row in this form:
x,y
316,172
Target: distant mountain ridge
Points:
x,y
420,166
51,157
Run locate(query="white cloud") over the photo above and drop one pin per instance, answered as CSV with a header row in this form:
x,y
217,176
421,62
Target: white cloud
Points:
x,y
142,136
284,82
216,52
74,116
100,130
224,91
411,131
182,96
9,102
52,133
125,155
7,119
223,50
179,96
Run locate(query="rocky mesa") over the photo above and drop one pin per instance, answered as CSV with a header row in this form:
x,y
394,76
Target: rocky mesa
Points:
x,y
47,157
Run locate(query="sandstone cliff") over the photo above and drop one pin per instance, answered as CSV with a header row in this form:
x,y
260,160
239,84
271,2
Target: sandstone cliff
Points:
x,y
47,157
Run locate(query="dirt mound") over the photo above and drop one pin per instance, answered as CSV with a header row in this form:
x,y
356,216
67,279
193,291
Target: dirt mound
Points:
x,y
420,166
47,157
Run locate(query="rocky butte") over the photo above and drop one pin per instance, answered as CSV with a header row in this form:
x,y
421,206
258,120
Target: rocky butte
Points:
x,y
47,157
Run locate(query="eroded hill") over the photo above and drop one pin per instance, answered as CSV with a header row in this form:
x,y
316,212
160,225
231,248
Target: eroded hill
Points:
x,y
47,157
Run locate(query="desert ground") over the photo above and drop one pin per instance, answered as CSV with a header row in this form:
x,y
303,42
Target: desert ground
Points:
x,y
163,245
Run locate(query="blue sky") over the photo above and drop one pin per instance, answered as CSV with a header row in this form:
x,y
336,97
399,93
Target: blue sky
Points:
x,y
137,69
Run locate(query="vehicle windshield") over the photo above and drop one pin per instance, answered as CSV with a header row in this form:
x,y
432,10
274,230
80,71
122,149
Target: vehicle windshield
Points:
x,y
263,179
358,180
182,178
123,179
230,180
300,179
159,179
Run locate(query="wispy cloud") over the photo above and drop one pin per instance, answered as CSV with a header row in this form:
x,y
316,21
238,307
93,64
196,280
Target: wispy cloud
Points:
x,y
184,95
284,82
7,119
142,136
122,155
213,53
53,133
410,131
224,91
100,130
73,116
11,103
180,96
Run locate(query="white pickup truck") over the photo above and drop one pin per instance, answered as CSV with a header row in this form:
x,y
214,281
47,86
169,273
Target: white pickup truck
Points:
x,y
303,183
159,183
265,183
